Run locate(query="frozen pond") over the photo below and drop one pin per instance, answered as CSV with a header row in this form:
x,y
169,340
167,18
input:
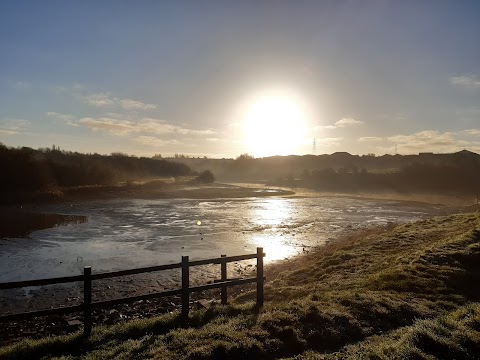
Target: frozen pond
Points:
x,y
123,234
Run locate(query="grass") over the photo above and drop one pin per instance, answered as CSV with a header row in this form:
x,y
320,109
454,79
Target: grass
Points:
x,y
399,292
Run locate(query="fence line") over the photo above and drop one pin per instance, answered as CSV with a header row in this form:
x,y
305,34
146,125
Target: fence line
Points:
x,y
184,291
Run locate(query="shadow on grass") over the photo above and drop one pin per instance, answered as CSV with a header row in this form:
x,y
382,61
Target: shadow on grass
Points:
x,y
77,345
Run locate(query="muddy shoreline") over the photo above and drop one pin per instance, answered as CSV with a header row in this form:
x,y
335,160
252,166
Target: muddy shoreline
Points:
x,y
149,190
23,300
53,296
57,296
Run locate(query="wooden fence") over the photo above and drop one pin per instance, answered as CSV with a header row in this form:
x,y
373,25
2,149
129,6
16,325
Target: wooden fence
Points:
x,y
184,291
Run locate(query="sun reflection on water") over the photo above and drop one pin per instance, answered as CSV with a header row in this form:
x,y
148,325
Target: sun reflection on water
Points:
x,y
271,217
274,248
272,212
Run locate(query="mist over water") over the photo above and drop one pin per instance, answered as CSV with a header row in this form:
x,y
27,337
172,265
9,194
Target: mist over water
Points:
x,y
123,234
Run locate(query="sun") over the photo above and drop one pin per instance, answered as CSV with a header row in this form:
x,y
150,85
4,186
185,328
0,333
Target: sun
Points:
x,y
274,123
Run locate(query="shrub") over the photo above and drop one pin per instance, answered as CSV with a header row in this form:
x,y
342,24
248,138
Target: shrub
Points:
x,y
205,177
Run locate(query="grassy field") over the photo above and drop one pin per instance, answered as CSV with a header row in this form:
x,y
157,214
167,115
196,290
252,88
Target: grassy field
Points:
x,y
409,291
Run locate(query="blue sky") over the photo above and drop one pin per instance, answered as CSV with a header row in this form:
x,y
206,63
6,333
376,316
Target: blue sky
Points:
x,y
146,77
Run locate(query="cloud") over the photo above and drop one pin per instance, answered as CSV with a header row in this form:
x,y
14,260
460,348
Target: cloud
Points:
x,y
430,140
13,126
7,132
98,99
161,127
326,142
347,121
472,132
234,124
75,89
156,142
22,85
105,99
467,81
370,139
344,122
129,104
113,126
102,99
67,119
122,127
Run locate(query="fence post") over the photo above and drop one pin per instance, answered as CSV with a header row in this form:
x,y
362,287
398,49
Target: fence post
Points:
x,y
259,277
223,277
185,286
87,300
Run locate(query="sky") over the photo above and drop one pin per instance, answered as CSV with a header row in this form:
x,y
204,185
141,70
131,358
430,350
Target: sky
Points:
x,y
222,78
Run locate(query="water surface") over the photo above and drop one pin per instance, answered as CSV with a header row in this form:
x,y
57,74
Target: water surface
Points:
x,y
122,234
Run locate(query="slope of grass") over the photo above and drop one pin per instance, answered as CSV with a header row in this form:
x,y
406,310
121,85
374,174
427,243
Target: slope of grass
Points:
x,y
405,291
453,335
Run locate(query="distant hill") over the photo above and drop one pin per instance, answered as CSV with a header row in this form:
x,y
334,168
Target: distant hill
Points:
x,y
294,166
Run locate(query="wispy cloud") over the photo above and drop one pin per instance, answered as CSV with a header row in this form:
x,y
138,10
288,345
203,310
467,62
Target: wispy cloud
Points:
x,y
7,132
75,89
22,85
329,141
98,99
347,122
162,127
431,140
113,126
105,99
155,142
67,119
344,122
468,81
13,126
472,132
370,139
129,104
122,127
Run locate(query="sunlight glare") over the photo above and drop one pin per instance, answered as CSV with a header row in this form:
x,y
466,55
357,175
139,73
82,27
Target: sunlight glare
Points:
x,y
275,123
272,212
272,217
274,248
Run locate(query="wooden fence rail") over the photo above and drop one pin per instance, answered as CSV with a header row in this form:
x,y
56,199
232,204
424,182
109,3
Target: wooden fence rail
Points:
x,y
184,291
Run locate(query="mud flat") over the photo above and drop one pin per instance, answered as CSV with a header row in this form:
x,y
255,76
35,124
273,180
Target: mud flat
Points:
x,y
20,224
122,233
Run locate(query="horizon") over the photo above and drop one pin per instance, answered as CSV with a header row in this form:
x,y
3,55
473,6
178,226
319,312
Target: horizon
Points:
x,y
195,156
218,80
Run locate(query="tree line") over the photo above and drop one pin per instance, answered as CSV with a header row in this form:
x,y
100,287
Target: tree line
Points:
x,y
426,172
416,177
25,169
